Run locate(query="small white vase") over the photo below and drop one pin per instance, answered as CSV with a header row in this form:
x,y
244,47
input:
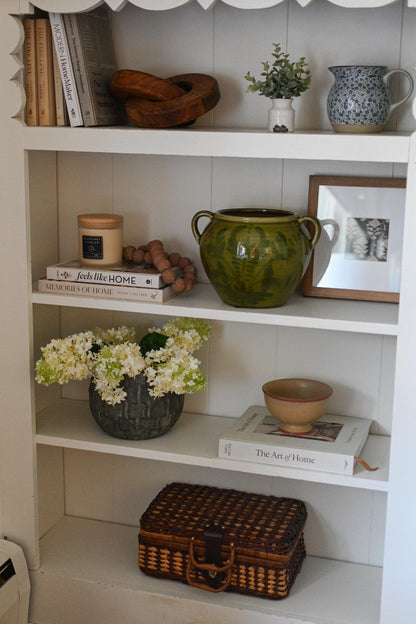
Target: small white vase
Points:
x,y
282,114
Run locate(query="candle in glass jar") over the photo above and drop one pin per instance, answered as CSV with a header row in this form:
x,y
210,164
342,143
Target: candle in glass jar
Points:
x,y
100,239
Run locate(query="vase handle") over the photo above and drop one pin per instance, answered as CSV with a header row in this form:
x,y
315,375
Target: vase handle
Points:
x,y
386,79
202,213
317,228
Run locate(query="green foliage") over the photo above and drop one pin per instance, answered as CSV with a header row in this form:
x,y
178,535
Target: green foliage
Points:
x,y
282,78
152,342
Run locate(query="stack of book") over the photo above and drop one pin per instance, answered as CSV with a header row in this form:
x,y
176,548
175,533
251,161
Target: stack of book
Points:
x,y
333,445
69,61
129,281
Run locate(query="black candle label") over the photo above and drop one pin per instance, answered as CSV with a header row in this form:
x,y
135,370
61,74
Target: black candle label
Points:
x,y
92,247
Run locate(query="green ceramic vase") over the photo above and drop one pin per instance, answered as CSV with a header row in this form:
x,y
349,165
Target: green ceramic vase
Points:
x,y
255,258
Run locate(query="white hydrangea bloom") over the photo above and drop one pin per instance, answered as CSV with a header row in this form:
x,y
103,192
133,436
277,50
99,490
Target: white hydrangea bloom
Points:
x,y
110,355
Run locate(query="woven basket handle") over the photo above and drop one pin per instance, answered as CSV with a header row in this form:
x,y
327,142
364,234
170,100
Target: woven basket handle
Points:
x,y
211,568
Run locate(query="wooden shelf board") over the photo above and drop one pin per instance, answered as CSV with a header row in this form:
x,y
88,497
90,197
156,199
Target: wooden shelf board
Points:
x,y
194,441
309,312
97,562
223,142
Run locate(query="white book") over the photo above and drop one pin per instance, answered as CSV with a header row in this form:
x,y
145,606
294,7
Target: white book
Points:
x,y
334,444
61,111
131,293
94,62
138,275
60,41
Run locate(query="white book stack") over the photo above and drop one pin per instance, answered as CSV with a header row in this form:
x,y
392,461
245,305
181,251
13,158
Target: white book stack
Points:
x,y
127,282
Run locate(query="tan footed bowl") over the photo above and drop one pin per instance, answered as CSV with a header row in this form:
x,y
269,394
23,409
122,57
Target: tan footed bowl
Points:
x,y
296,403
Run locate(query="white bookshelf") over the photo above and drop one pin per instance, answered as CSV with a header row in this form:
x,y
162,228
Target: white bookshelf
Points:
x,y
203,302
97,562
194,441
85,489
223,142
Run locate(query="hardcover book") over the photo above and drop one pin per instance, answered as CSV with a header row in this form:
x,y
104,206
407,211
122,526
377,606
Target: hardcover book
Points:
x,y
45,73
143,276
132,293
94,62
60,104
31,80
60,41
333,445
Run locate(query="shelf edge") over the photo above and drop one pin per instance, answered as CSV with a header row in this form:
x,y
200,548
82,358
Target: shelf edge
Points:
x,y
88,437
221,313
223,142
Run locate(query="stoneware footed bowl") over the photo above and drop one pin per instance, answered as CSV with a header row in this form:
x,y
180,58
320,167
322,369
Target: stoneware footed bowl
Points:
x,y
296,403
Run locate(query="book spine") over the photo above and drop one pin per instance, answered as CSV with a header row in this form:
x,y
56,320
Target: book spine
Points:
x,y
91,46
65,66
104,277
286,456
46,86
61,113
80,69
157,295
31,81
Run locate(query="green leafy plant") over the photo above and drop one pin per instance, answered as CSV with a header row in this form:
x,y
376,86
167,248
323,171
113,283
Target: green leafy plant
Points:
x,y
281,78
163,356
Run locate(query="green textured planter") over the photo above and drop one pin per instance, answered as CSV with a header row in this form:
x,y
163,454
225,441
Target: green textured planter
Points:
x,y
140,416
255,258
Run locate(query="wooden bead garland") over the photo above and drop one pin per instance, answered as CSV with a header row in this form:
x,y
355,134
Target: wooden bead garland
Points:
x,y
155,254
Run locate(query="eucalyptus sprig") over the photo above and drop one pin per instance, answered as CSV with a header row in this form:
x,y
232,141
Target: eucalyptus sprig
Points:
x,y
282,78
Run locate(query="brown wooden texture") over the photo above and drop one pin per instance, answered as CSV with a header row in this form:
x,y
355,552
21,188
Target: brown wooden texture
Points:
x,y
199,93
128,83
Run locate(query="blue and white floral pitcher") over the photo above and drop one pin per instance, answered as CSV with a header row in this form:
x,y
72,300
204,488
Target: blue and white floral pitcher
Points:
x,y
359,100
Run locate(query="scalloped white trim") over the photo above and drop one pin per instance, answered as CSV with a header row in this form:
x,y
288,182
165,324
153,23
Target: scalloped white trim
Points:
x,y
252,4
362,4
161,5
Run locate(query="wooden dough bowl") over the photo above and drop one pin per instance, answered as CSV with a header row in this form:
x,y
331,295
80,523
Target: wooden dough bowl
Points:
x,y
153,102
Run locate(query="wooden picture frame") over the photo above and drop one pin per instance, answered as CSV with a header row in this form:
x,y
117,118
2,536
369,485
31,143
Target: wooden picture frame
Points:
x,y
358,255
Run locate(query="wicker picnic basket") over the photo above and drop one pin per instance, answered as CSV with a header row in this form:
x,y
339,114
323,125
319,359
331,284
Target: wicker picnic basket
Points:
x,y
223,540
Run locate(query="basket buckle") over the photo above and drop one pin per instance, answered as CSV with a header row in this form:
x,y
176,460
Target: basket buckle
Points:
x,y
216,573
213,535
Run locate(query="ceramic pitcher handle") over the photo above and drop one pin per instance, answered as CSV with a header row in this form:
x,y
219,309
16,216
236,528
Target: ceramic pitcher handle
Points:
x,y
335,230
317,228
202,213
386,79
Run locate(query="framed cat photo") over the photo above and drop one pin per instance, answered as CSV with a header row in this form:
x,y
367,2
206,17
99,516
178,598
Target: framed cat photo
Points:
x,y
359,253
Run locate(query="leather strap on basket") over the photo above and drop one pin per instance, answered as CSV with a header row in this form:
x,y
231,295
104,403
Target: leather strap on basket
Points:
x,y
211,569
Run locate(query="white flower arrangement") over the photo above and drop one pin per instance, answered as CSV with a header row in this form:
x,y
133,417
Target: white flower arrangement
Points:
x,y
164,356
